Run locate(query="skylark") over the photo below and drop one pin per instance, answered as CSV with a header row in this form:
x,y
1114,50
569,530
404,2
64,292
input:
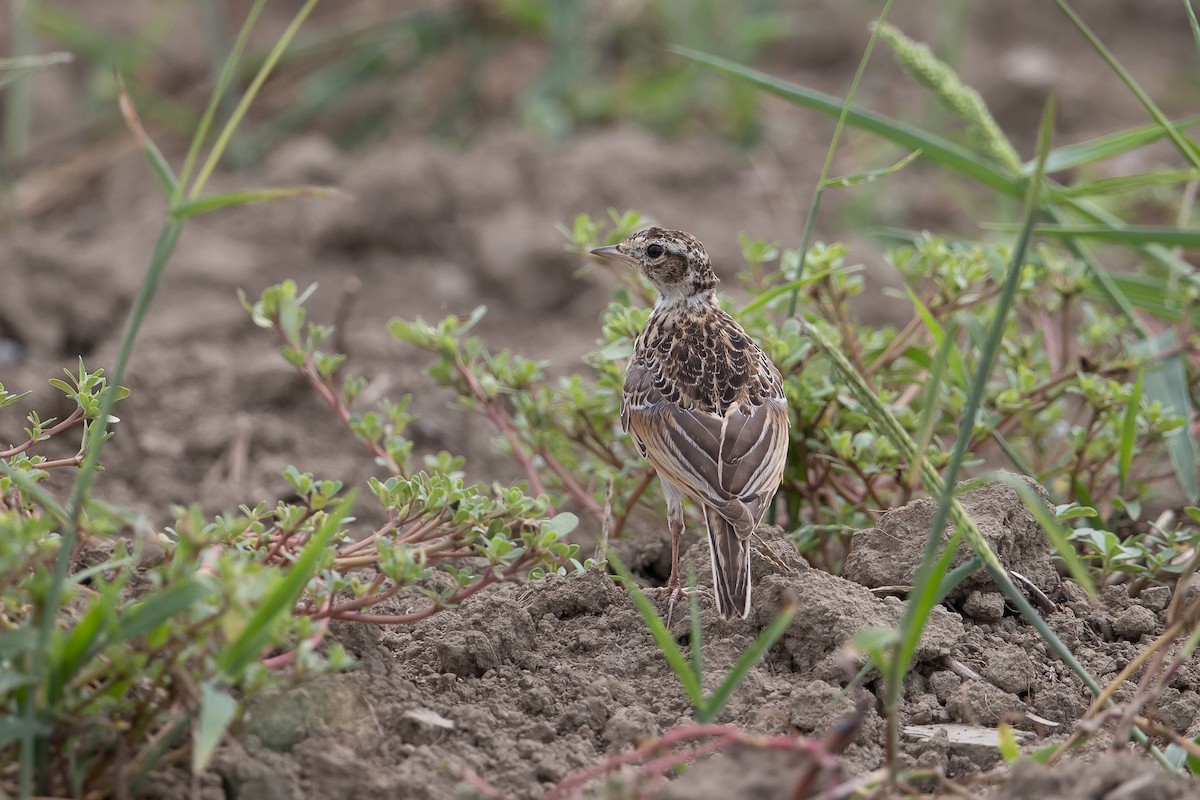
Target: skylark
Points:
x,y
705,407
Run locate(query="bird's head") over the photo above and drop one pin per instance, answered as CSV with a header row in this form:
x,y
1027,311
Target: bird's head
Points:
x,y
674,261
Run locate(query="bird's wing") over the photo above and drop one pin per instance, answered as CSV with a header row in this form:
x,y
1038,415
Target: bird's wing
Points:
x,y
732,462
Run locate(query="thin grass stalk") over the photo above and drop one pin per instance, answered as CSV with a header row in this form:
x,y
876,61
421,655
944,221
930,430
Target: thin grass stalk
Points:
x,y
219,89
917,610
833,143
1195,25
97,434
19,104
251,92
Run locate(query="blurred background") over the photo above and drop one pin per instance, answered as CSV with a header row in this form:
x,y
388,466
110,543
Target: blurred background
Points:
x,y
464,134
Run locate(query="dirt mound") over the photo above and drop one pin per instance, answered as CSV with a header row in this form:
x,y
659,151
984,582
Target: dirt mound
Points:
x,y
530,683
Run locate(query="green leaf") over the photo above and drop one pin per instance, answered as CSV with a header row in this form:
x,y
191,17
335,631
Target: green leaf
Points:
x,y
160,607
13,728
1009,750
932,146
1185,146
12,69
867,176
1125,234
1127,183
1166,382
154,157
1129,432
561,524
217,711
257,633
1106,147
217,202
17,642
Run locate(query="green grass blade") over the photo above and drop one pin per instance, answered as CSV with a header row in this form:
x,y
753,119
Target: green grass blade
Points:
x,y
662,637
218,202
1164,235
1129,433
957,368
870,175
932,386
1149,293
250,643
13,68
1166,381
1195,26
146,616
1012,455
1126,183
956,576
843,113
764,298
85,639
933,148
917,610
18,106
697,637
154,157
217,711
1105,147
751,656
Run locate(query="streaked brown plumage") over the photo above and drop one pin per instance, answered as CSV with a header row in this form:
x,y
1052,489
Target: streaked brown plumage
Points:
x,y
705,406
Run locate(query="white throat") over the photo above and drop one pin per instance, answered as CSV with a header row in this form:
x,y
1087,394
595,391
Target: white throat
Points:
x,y
683,298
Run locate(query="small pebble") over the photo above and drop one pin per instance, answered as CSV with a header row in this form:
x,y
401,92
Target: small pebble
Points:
x,y
1155,598
984,606
1135,622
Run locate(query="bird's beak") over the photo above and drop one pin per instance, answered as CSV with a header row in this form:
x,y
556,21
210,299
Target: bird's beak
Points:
x,y
614,251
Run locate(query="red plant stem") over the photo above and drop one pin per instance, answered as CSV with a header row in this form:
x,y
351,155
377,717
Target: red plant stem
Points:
x,y
284,659
75,417
577,492
354,547
634,496
501,421
73,461
720,735
313,376
477,783
354,605
284,536
487,579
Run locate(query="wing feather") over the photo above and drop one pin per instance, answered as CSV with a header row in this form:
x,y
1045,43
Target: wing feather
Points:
x,y
733,463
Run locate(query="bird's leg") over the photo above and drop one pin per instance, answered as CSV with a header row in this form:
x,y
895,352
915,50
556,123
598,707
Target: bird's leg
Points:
x,y
675,524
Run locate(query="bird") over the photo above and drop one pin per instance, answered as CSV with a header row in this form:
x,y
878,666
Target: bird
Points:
x,y
705,406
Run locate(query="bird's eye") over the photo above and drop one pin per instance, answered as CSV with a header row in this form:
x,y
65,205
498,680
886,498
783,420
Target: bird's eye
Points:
x,y
655,250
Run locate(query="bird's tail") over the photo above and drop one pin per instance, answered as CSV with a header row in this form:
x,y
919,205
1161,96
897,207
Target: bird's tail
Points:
x,y
730,565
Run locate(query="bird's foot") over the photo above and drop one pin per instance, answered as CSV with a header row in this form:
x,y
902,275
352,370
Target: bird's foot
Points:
x,y
674,594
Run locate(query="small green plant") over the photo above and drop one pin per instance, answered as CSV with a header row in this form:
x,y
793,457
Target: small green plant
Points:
x,y
444,538
148,645
690,671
